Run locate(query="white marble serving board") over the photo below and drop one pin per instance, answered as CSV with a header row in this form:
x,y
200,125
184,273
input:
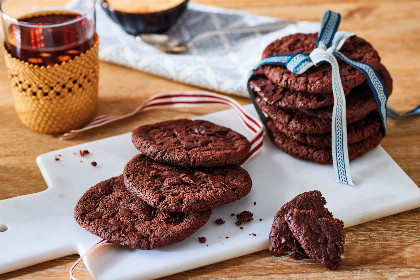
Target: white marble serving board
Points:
x,y
41,227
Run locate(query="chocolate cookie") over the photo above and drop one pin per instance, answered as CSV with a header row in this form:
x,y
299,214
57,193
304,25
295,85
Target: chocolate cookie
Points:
x,y
179,189
356,132
359,103
306,152
295,120
321,238
111,212
281,238
298,121
318,79
287,98
292,100
191,143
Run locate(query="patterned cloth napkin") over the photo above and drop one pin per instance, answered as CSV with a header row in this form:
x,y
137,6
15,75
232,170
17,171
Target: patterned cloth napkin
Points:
x,y
219,63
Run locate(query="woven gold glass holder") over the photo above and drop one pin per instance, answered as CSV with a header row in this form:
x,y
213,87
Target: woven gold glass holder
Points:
x,y
57,98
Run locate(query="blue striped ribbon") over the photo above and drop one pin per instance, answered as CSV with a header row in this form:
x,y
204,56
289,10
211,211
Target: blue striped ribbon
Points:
x,y
395,115
329,43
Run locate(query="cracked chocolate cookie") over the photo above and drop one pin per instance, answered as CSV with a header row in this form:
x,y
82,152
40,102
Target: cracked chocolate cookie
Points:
x,y
281,238
297,100
323,155
321,238
191,143
179,189
317,80
356,132
111,212
286,98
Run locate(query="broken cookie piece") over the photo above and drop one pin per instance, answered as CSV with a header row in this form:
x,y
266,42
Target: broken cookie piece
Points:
x,y
281,239
322,239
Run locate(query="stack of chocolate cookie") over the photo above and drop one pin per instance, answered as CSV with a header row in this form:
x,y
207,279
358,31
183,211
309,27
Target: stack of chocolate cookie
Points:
x,y
166,193
300,107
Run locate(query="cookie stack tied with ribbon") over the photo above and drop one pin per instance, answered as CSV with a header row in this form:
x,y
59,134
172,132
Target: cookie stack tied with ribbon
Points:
x,y
332,113
185,169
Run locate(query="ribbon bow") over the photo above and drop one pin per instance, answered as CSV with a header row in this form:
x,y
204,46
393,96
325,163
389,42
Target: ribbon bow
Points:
x,y
329,43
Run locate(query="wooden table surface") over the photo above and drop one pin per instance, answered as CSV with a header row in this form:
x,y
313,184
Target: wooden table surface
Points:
x,y
382,249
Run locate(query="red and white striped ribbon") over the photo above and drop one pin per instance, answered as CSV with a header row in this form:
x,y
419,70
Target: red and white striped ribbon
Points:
x,y
90,250
180,99
186,99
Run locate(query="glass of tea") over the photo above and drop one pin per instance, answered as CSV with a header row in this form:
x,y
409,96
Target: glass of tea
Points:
x,y
50,49
48,32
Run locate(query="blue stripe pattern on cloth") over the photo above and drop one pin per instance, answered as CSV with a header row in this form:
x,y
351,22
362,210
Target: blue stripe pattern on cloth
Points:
x,y
329,44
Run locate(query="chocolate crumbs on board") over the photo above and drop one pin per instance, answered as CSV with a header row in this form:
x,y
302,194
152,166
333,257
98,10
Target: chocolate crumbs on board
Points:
x,y
244,217
202,239
94,163
83,152
219,221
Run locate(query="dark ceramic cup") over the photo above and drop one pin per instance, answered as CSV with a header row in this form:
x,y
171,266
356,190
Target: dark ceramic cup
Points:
x,y
138,23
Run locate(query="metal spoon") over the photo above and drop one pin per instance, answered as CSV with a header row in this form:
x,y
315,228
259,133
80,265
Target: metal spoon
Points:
x,y
171,44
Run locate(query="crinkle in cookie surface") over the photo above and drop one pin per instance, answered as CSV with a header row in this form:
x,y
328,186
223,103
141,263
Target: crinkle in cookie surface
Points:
x,y
180,189
305,152
321,238
281,238
318,79
191,143
111,212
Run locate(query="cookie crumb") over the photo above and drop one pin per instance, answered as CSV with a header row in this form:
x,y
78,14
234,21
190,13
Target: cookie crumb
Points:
x,y
227,237
255,203
94,163
233,214
219,221
260,220
202,239
83,152
57,159
244,217
254,234
241,228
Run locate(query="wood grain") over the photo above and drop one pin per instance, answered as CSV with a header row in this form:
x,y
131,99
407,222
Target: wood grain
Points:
x,y
387,248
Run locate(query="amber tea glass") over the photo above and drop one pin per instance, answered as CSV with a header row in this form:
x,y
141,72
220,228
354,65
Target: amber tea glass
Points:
x,y
50,49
